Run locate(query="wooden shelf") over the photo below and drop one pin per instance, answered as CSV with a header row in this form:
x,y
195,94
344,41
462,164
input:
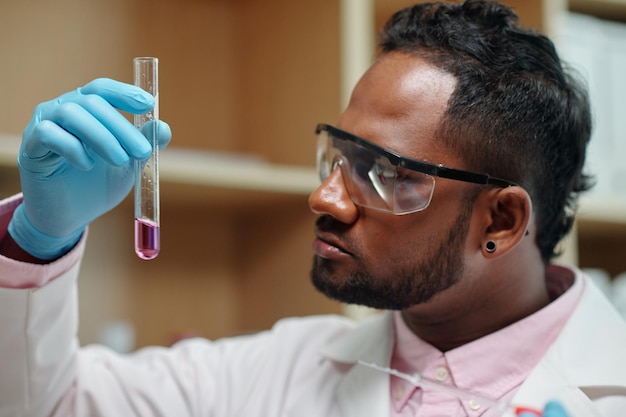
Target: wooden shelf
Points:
x,y
234,171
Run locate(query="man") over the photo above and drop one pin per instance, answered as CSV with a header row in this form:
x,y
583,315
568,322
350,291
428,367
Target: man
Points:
x,y
407,222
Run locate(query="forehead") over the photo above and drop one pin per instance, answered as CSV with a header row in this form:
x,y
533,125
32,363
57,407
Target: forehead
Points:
x,y
398,104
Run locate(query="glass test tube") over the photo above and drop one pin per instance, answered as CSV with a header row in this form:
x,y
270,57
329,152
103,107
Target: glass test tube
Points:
x,y
147,222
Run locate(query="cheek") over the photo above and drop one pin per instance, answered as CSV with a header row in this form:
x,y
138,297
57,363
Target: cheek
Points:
x,y
417,238
394,241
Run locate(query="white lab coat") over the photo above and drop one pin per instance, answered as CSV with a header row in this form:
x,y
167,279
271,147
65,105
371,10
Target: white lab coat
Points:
x,y
303,367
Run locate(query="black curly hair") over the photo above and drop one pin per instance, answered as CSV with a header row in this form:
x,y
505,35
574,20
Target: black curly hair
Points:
x,y
517,112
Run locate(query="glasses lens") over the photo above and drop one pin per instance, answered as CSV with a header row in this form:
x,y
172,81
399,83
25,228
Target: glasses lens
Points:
x,y
371,179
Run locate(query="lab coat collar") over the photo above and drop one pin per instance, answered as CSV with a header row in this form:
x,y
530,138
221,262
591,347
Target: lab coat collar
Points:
x,y
364,391
370,341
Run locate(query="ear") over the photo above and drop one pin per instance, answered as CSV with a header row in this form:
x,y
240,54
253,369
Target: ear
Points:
x,y
508,220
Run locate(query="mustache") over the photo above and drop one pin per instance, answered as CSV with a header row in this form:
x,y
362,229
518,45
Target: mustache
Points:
x,y
329,224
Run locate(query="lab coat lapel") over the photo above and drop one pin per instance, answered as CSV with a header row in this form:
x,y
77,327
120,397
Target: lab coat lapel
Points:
x,y
595,330
364,392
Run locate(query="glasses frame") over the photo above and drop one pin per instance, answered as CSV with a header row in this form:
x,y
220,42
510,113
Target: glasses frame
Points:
x,y
435,170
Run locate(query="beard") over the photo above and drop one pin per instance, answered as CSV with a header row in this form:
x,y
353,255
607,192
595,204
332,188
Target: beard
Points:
x,y
406,282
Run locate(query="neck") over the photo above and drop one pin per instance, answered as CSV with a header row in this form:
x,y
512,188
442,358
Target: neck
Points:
x,y
477,307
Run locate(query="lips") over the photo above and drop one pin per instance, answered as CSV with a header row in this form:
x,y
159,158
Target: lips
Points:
x,y
328,246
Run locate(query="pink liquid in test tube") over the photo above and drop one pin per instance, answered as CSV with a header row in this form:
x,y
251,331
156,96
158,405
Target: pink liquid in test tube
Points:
x,y
146,239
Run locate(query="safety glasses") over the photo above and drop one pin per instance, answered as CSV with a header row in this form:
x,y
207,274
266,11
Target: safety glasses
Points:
x,y
380,179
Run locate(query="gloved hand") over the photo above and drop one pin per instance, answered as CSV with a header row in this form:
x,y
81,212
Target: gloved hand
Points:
x,y
552,409
76,163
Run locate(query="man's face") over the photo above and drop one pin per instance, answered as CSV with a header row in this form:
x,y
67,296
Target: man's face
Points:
x,y
378,259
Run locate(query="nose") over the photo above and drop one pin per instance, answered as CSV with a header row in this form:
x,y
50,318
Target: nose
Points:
x,y
331,198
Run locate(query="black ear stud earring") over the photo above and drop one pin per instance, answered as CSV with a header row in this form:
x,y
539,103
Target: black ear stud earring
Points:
x,y
490,246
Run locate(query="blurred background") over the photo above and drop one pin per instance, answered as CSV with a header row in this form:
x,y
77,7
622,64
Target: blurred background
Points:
x,y
242,84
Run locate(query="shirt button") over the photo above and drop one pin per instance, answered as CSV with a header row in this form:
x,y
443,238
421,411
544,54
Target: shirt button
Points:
x,y
441,373
474,405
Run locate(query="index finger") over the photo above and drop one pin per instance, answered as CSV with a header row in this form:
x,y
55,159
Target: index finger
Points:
x,y
123,96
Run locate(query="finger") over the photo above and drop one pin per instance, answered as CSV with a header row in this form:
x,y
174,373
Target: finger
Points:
x,y
90,130
163,132
125,97
126,133
104,116
53,138
103,98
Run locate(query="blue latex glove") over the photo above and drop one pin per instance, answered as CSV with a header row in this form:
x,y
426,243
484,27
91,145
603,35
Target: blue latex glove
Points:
x,y
76,163
552,409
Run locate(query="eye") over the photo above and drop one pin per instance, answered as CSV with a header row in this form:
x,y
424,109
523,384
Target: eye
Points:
x,y
361,161
383,173
414,183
